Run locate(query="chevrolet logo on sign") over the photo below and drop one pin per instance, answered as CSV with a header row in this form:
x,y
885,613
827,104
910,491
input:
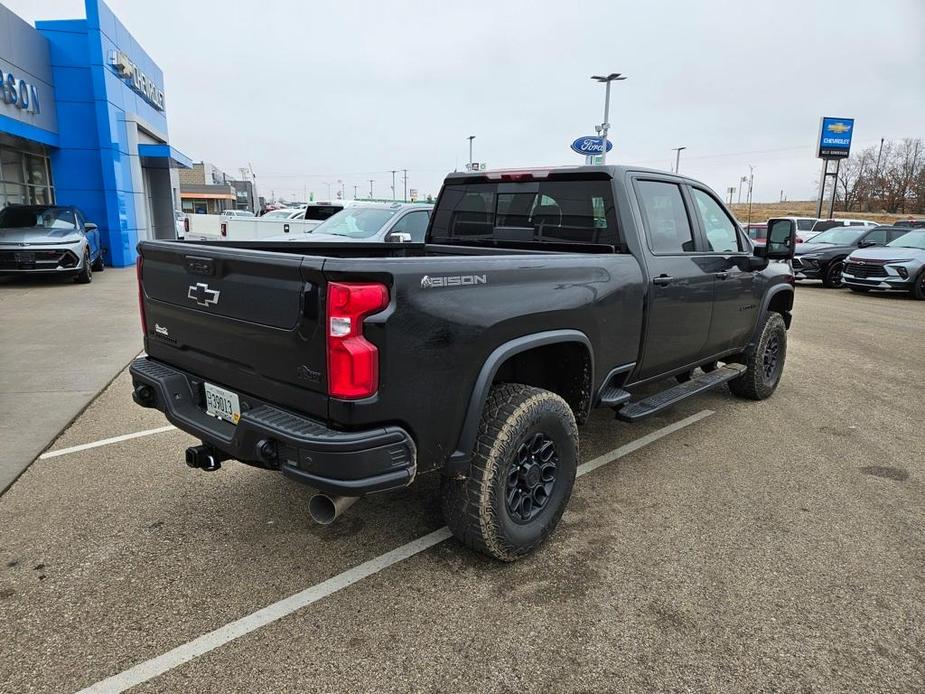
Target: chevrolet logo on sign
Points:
x,y
202,295
838,128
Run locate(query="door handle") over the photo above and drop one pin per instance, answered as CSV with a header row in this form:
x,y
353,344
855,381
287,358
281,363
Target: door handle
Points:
x,y
662,280
721,275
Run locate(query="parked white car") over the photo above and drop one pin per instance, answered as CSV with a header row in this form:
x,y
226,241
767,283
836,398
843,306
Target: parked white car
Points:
x,y
237,213
285,213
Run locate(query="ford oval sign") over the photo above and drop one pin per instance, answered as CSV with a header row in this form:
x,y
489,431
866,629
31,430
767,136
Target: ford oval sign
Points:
x,y
590,145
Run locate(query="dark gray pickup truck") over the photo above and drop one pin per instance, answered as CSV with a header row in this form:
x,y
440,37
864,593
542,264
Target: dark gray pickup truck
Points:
x,y
537,296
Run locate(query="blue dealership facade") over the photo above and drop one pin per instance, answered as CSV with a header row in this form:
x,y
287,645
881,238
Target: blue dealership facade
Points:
x,y
83,122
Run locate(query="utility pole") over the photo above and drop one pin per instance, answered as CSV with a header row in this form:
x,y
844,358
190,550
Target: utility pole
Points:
x,y
877,172
470,138
370,188
677,160
605,126
355,192
741,181
405,196
751,180
394,171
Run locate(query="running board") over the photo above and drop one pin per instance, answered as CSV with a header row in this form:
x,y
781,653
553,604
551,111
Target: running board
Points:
x,y
662,401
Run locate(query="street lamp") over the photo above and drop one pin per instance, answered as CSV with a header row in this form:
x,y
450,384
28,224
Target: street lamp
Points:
x,y
677,159
605,126
470,138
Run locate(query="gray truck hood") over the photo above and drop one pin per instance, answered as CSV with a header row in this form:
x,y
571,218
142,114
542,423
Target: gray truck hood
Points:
x,y
891,253
38,236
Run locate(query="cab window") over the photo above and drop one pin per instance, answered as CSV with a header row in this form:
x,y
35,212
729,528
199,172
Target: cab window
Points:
x,y
719,229
667,224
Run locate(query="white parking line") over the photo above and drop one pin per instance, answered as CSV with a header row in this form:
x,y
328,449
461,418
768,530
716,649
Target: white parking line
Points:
x,y
105,442
277,610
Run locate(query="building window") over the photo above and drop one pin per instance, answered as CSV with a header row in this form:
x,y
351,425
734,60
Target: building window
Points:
x,y
25,176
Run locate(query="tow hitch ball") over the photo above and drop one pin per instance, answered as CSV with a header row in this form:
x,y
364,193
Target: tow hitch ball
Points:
x,y
204,458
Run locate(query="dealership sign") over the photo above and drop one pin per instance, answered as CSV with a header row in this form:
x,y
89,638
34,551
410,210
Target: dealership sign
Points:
x,y
590,145
137,80
834,141
19,93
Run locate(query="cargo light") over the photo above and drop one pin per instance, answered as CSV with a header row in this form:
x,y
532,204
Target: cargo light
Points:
x,y
139,265
224,228
353,361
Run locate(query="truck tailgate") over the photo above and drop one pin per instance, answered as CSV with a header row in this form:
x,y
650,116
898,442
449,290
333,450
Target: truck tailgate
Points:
x,y
249,320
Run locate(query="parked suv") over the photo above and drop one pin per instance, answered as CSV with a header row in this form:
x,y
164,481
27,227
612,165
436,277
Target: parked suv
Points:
x,y
49,240
823,257
899,265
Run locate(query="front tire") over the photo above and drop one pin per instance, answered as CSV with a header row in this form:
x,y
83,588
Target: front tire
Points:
x,y
98,264
918,289
521,475
765,364
85,274
832,278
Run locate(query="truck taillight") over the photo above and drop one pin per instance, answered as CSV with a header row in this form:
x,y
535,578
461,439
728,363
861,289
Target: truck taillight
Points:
x,y
139,264
186,224
224,228
353,361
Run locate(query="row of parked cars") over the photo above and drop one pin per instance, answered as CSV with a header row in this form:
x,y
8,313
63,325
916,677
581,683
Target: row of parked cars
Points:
x,y
859,254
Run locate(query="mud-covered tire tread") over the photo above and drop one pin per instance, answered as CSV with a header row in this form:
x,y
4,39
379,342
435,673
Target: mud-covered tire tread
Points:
x,y
750,385
468,503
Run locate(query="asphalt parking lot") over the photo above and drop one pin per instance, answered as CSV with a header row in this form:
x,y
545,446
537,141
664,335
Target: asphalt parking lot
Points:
x,y
769,546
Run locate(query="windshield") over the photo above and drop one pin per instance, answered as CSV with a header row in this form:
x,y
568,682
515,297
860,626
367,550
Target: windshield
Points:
x,y
912,239
278,214
43,217
355,222
840,236
805,224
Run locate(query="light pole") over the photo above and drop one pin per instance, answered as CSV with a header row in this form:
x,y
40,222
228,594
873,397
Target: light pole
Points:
x,y
470,138
605,126
370,188
677,159
341,184
355,192
394,171
741,181
751,181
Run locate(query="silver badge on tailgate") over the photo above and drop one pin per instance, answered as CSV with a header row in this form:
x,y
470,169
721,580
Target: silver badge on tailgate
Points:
x,y
202,295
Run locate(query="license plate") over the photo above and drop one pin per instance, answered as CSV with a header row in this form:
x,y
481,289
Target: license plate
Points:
x,y
222,403
24,258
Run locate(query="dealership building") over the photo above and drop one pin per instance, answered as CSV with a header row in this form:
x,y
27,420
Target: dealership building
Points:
x,y
83,122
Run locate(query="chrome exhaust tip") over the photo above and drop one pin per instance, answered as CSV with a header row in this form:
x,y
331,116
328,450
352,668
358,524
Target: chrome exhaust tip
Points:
x,y
325,509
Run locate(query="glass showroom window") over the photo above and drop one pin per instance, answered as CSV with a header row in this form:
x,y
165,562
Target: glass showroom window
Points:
x,y
25,178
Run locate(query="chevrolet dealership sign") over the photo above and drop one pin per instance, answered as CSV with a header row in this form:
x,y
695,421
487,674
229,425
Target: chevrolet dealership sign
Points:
x,y
19,93
835,137
139,81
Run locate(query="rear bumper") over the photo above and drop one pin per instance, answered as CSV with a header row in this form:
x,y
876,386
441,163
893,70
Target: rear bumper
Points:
x,y
350,463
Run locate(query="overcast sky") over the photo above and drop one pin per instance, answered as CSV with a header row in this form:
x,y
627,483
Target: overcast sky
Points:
x,y
312,92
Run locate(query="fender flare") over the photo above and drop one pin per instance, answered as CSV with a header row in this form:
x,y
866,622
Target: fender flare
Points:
x,y
772,292
458,461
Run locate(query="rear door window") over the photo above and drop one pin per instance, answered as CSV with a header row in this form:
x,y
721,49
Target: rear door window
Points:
x,y
536,211
666,220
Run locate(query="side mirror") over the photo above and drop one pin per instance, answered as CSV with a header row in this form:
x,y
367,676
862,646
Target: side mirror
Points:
x,y
89,226
398,237
782,234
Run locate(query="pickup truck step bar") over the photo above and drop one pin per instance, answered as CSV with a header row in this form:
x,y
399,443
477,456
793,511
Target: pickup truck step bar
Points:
x,y
667,398
612,396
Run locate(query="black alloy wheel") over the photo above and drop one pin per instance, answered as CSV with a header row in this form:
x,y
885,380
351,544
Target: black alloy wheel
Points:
x,y
531,477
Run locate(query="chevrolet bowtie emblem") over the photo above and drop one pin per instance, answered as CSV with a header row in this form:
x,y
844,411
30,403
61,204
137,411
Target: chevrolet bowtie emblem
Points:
x,y
202,295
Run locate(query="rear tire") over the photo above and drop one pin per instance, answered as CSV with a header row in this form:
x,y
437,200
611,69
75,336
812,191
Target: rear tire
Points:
x,y
918,289
832,277
85,274
764,364
521,475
